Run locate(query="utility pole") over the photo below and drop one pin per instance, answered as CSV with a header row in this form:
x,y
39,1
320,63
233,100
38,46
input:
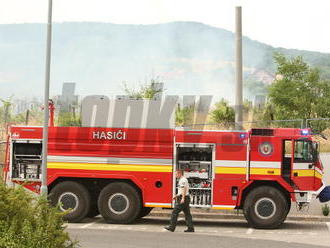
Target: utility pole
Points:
x,y
27,117
239,71
44,189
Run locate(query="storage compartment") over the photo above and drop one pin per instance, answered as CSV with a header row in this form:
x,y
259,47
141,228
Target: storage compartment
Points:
x,y
196,162
26,161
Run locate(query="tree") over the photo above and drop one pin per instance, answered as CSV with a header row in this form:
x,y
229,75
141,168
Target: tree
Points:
x,y
68,119
184,116
254,87
6,113
146,91
298,91
223,113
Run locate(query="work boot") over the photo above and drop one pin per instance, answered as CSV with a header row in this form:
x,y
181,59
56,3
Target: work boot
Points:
x,y
189,230
168,228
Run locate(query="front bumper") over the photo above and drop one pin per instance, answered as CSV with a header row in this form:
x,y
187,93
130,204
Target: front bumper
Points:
x,y
307,196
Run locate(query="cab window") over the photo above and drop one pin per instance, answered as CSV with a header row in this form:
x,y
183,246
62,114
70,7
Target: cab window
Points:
x,y
303,151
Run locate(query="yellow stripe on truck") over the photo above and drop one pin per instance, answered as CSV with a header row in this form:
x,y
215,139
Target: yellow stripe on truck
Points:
x,y
224,208
265,171
242,170
157,205
230,170
318,175
308,173
109,167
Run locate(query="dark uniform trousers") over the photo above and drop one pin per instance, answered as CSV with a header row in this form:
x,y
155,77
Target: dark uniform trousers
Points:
x,y
182,207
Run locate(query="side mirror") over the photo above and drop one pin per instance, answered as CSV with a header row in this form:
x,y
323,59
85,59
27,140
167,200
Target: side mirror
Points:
x,y
315,151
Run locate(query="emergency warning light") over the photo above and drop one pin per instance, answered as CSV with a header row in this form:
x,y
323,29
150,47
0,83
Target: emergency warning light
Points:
x,y
242,135
305,132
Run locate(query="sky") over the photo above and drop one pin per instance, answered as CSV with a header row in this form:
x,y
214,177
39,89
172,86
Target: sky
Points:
x,y
299,24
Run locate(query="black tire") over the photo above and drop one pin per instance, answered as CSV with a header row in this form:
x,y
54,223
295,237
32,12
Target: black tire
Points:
x,y
265,207
144,212
288,207
71,195
119,203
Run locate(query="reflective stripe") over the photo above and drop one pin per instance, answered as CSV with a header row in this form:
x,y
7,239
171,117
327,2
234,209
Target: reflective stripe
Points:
x,y
318,175
230,163
157,204
229,170
308,173
242,164
109,167
256,167
109,160
253,171
223,206
265,164
319,171
304,173
301,166
265,171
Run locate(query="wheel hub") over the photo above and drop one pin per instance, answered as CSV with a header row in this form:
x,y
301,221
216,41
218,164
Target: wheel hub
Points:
x,y
265,208
68,200
118,203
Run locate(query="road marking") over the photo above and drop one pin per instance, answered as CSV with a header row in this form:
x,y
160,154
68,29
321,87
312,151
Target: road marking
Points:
x,y
249,231
328,224
87,225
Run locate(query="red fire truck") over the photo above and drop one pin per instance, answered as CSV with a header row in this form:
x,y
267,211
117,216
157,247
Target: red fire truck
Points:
x,y
122,173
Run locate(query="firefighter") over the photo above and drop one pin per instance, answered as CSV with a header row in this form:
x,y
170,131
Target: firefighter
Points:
x,y
182,204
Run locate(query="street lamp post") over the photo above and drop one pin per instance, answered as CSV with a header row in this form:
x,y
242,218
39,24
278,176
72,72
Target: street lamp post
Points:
x,y
44,189
239,71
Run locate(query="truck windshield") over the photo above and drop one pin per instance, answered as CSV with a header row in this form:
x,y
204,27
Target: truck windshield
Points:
x,y
305,151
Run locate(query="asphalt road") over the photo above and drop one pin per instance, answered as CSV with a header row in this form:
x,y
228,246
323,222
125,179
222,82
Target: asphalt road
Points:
x,y
134,239
149,232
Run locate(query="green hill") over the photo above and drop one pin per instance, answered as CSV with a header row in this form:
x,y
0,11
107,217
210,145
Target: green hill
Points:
x,y
191,58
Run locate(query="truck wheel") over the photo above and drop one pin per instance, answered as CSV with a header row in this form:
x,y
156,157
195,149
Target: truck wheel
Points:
x,y
144,212
119,203
265,207
73,197
288,207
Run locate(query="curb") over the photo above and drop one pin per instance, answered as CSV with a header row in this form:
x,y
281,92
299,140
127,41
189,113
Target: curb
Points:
x,y
226,216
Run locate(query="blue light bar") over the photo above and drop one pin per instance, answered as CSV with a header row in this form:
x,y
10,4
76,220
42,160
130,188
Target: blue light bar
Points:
x,y
305,132
242,135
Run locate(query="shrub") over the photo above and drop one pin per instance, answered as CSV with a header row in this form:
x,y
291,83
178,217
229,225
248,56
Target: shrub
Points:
x,y
184,116
223,113
30,222
325,210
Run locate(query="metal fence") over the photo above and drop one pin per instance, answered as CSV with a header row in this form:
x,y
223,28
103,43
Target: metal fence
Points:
x,y
318,124
245,125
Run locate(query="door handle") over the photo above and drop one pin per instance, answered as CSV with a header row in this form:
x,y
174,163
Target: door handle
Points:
x,y
310,166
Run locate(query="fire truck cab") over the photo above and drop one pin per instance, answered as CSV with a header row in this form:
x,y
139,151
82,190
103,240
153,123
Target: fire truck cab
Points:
x,y
122,173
